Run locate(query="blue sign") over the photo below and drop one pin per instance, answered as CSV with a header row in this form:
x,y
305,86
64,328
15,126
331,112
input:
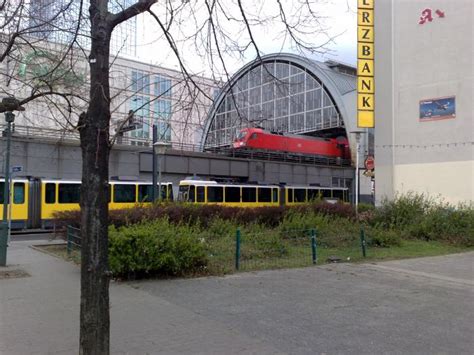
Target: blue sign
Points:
x,y
438,109
17,169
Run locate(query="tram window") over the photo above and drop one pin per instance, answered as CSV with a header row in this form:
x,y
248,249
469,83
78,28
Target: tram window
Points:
x,y
19,192
345,196
50,193
170,192
69,193
275,195
200,194
232,194
290,195
144,193
264,194
300,195
183,193
109,194
2,187
164,191
215,194
249,194
313,194
338,194
124,193
326,193
192,193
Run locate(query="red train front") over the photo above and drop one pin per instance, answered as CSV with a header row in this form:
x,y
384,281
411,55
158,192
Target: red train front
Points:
x,y
258,139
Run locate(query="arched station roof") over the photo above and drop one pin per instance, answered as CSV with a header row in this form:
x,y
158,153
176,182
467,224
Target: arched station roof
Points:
x,y
284,93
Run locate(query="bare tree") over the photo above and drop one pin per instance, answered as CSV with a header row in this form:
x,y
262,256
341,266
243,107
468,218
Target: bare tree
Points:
x,y
217,30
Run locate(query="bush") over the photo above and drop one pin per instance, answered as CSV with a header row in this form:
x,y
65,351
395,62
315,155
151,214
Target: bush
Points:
x,y
444,223
403,211
156,248
383,238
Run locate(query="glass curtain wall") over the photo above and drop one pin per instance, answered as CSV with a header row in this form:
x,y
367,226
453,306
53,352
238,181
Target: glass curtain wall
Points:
x,y
276,96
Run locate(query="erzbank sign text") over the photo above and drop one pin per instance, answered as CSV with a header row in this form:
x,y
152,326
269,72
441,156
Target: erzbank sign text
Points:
x,y
365,64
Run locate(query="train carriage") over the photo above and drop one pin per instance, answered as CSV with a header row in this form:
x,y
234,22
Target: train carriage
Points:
x,y
248,195
64,195
303,194
232,195
35,200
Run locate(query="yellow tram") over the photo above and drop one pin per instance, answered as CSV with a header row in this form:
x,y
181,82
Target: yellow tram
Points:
x,y
35,200
248,195
233,195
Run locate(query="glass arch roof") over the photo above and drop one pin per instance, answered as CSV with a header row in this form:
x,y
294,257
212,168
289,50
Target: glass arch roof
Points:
x,y
277,95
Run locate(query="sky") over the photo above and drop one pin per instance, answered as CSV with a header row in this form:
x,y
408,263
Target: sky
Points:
x,y
337,19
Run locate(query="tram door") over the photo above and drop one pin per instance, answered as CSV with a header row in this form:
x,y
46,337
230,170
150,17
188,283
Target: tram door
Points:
x,y
34,204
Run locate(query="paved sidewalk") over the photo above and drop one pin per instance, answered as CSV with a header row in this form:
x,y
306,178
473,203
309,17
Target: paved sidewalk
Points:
x,y
40,315
411,306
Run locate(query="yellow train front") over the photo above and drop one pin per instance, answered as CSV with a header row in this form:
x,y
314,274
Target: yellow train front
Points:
x,y
34,201
18,211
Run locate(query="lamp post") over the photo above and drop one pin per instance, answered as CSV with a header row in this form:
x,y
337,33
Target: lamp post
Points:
x,y
7,106
153,179
356,197
159,149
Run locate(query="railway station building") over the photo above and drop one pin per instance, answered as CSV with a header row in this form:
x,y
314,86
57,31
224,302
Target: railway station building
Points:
x,y
424,107
290,94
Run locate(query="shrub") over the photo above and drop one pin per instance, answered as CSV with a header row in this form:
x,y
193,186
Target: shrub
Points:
x,y
384,238
403,211
444,223
157,248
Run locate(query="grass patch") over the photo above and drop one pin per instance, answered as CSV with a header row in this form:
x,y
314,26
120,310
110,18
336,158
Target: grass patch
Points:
x,y
294,256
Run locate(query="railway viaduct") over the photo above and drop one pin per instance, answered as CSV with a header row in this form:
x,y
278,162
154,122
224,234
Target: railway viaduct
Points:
x,y
61,158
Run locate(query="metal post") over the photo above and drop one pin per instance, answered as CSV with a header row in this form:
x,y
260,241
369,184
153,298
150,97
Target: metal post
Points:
x,y
9,117
154,139
68,236
362,242
313,246
159,178
237,249
357,176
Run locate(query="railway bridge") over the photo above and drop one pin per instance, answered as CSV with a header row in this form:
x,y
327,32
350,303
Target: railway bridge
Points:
x,y
50,156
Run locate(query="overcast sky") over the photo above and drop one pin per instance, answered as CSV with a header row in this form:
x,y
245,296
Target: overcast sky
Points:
x,y
338,17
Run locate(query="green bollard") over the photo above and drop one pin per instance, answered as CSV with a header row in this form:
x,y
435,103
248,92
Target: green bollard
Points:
x,y
362,242
237,249
3,243
313,246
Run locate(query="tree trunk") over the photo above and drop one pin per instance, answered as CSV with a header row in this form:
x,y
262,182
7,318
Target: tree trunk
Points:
x,y
94,132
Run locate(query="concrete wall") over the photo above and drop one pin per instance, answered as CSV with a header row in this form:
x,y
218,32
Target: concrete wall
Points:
x,y
418,62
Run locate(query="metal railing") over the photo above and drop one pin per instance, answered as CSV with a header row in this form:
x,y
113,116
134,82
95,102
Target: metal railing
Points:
x,y
275,249
73,239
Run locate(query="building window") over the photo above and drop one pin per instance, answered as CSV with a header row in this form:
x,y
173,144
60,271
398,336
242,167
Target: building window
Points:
x,y
141,106
140,82
162,86
161,118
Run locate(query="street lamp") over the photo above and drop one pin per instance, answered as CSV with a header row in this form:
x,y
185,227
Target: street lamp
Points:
x,y
357,137
7,106
159,149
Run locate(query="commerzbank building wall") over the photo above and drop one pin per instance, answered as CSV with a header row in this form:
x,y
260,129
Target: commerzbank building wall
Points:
x,y
424,129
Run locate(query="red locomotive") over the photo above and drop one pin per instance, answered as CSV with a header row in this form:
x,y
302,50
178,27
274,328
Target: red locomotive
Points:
x,y
258,139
